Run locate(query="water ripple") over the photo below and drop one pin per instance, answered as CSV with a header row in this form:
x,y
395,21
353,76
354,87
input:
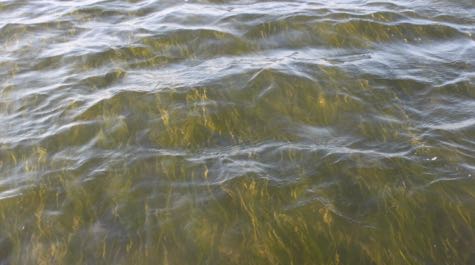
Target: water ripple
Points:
x,y
191,132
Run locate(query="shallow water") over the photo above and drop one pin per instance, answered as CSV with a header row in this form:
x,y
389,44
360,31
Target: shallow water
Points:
x,y
246,132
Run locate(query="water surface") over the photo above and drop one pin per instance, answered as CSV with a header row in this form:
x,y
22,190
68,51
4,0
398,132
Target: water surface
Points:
x,y
237,132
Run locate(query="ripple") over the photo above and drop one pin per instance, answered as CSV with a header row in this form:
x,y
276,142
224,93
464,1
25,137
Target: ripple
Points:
x,y
202,130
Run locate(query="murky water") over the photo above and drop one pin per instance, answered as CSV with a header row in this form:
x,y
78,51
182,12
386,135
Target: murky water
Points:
x,y
246,132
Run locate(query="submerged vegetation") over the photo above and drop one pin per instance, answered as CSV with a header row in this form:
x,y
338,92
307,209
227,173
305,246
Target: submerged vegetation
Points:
x,y
213,133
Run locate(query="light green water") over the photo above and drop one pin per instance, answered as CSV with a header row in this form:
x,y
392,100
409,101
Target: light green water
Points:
x,y
237,132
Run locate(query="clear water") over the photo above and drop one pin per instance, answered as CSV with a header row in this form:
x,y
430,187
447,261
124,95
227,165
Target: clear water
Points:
x,y
237,132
